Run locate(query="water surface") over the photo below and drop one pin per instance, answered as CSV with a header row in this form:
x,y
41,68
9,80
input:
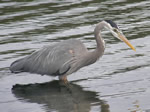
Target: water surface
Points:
x,y
118,82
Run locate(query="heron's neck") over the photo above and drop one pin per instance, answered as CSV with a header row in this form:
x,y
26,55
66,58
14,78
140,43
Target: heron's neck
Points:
x,y
93,56
99,40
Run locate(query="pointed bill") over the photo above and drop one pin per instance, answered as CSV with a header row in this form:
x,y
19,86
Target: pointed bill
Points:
x,y
123,38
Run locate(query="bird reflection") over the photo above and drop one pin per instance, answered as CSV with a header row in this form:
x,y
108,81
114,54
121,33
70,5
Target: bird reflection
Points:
x,y
58,98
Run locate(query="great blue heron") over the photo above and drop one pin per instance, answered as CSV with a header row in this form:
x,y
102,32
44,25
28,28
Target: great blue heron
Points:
x,y
68,56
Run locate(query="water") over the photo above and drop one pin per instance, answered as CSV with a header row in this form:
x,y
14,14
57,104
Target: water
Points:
x,y
118,82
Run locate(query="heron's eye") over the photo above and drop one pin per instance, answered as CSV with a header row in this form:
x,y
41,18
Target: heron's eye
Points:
x,y
115,30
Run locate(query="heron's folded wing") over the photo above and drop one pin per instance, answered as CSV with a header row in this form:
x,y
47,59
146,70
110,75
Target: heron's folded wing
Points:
x,y
50,60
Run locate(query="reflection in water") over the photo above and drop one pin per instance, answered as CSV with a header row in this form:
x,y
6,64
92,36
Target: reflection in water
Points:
x,y
27,25
57,97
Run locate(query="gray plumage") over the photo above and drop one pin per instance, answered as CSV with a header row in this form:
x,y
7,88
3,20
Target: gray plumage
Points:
x,y
54,60
63,58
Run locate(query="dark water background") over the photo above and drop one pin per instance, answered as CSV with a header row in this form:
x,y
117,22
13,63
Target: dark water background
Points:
x,y
118,82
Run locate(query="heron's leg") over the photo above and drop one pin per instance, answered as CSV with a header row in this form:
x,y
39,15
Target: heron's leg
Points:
x,y
64,81
63,78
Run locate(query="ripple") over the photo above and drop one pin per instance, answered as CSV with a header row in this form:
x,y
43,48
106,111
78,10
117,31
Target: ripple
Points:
x,y
121,76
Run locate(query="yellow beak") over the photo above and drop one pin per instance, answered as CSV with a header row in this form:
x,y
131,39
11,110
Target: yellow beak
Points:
x,y
123,38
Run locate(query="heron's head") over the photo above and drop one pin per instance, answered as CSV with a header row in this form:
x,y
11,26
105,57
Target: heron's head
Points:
x,y
110,25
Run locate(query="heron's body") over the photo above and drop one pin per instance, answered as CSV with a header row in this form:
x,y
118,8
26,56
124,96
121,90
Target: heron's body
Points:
x,y
62,58
58,59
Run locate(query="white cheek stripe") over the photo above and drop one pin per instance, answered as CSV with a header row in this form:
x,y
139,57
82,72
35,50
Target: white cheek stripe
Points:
x,y
108,26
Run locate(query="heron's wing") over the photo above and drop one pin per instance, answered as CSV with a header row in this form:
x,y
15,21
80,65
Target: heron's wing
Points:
x,y
51,60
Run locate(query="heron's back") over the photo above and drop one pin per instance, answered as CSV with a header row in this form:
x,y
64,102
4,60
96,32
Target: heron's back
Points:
x,y
51,60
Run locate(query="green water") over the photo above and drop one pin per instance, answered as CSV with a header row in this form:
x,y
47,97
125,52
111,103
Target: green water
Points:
x,y
118,82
